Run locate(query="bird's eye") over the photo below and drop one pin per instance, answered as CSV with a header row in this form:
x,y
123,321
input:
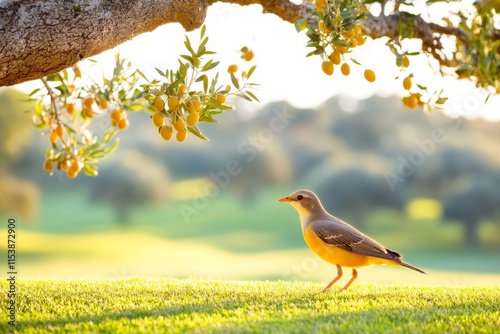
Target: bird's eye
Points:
x,y
300,197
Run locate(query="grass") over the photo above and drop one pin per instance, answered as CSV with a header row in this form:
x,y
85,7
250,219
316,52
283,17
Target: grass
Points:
x,y
214,306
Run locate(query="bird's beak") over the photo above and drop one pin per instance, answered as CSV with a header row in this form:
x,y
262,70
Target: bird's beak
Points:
x,y
285,199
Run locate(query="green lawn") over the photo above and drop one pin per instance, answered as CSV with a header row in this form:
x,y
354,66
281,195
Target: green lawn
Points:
x,y
212,306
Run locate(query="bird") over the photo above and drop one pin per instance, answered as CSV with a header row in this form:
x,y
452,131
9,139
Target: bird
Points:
x,y
337,242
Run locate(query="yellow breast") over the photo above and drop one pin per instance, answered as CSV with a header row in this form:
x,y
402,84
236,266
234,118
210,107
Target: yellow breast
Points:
x,y
336,255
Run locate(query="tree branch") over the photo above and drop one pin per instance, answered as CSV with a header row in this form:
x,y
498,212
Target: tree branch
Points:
x,y
284,9
41,37
429,33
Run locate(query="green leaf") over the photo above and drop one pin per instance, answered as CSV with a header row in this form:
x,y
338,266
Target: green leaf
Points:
x,y
138,94
195,131
108,135
252,95
250,71
90,170
205,84
159,71
203,30
34,91
441,100
200,78
207,119
235,81
244,96
188,58
209,65
142,74
112,148
39,108
421,87
187,43
355,61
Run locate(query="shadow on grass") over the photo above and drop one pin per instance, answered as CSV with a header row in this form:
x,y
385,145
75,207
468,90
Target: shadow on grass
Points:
x,y
242,312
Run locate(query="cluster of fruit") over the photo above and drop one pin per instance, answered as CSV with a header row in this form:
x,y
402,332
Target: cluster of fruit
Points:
x,y
73,106
337,32
185,97
179,105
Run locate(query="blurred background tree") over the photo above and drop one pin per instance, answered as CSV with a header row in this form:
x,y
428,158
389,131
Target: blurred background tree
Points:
x,y
16,195
132,180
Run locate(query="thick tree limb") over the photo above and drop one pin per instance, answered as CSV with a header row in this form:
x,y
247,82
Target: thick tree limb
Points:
x,y
41,37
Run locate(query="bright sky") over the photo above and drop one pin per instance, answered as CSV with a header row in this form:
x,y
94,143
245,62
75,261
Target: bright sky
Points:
x,y
282,68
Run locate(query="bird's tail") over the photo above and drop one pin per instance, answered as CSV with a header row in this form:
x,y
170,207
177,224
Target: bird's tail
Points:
x,y
407,265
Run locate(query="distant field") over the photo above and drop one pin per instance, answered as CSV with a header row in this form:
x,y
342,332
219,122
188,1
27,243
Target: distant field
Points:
x,y
119,254
208,306
75,239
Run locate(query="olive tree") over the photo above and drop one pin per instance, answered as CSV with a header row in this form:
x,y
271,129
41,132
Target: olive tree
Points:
x,y
45,39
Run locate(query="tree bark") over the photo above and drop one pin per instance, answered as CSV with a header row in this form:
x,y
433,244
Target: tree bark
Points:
x,y
41,37
38,38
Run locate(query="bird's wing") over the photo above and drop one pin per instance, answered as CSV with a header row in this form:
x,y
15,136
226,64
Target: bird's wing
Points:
x,y
337,233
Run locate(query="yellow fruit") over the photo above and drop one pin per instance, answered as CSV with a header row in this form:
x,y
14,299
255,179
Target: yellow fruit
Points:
x,y
345,69
335,57
70,108
360,40
353,42
65,164
221,98
406,62
320,5
89,112
116,115
232,68
349,33
358,29
166,132
249,56
53,136
173,103
78,73
370,75
159,104
407,83
195,105
179,124
192,118
103,104
340,48
87,103
123,124
71,173
183,89
411,101
195,98
181,136
327,67
323,28
158,119
60,130
48,165
71,88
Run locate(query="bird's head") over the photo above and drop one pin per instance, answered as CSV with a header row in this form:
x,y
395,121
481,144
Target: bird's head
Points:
x,y
305,202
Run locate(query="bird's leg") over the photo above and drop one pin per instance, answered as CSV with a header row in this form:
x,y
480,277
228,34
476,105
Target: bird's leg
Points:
x,y
339,275
354,276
